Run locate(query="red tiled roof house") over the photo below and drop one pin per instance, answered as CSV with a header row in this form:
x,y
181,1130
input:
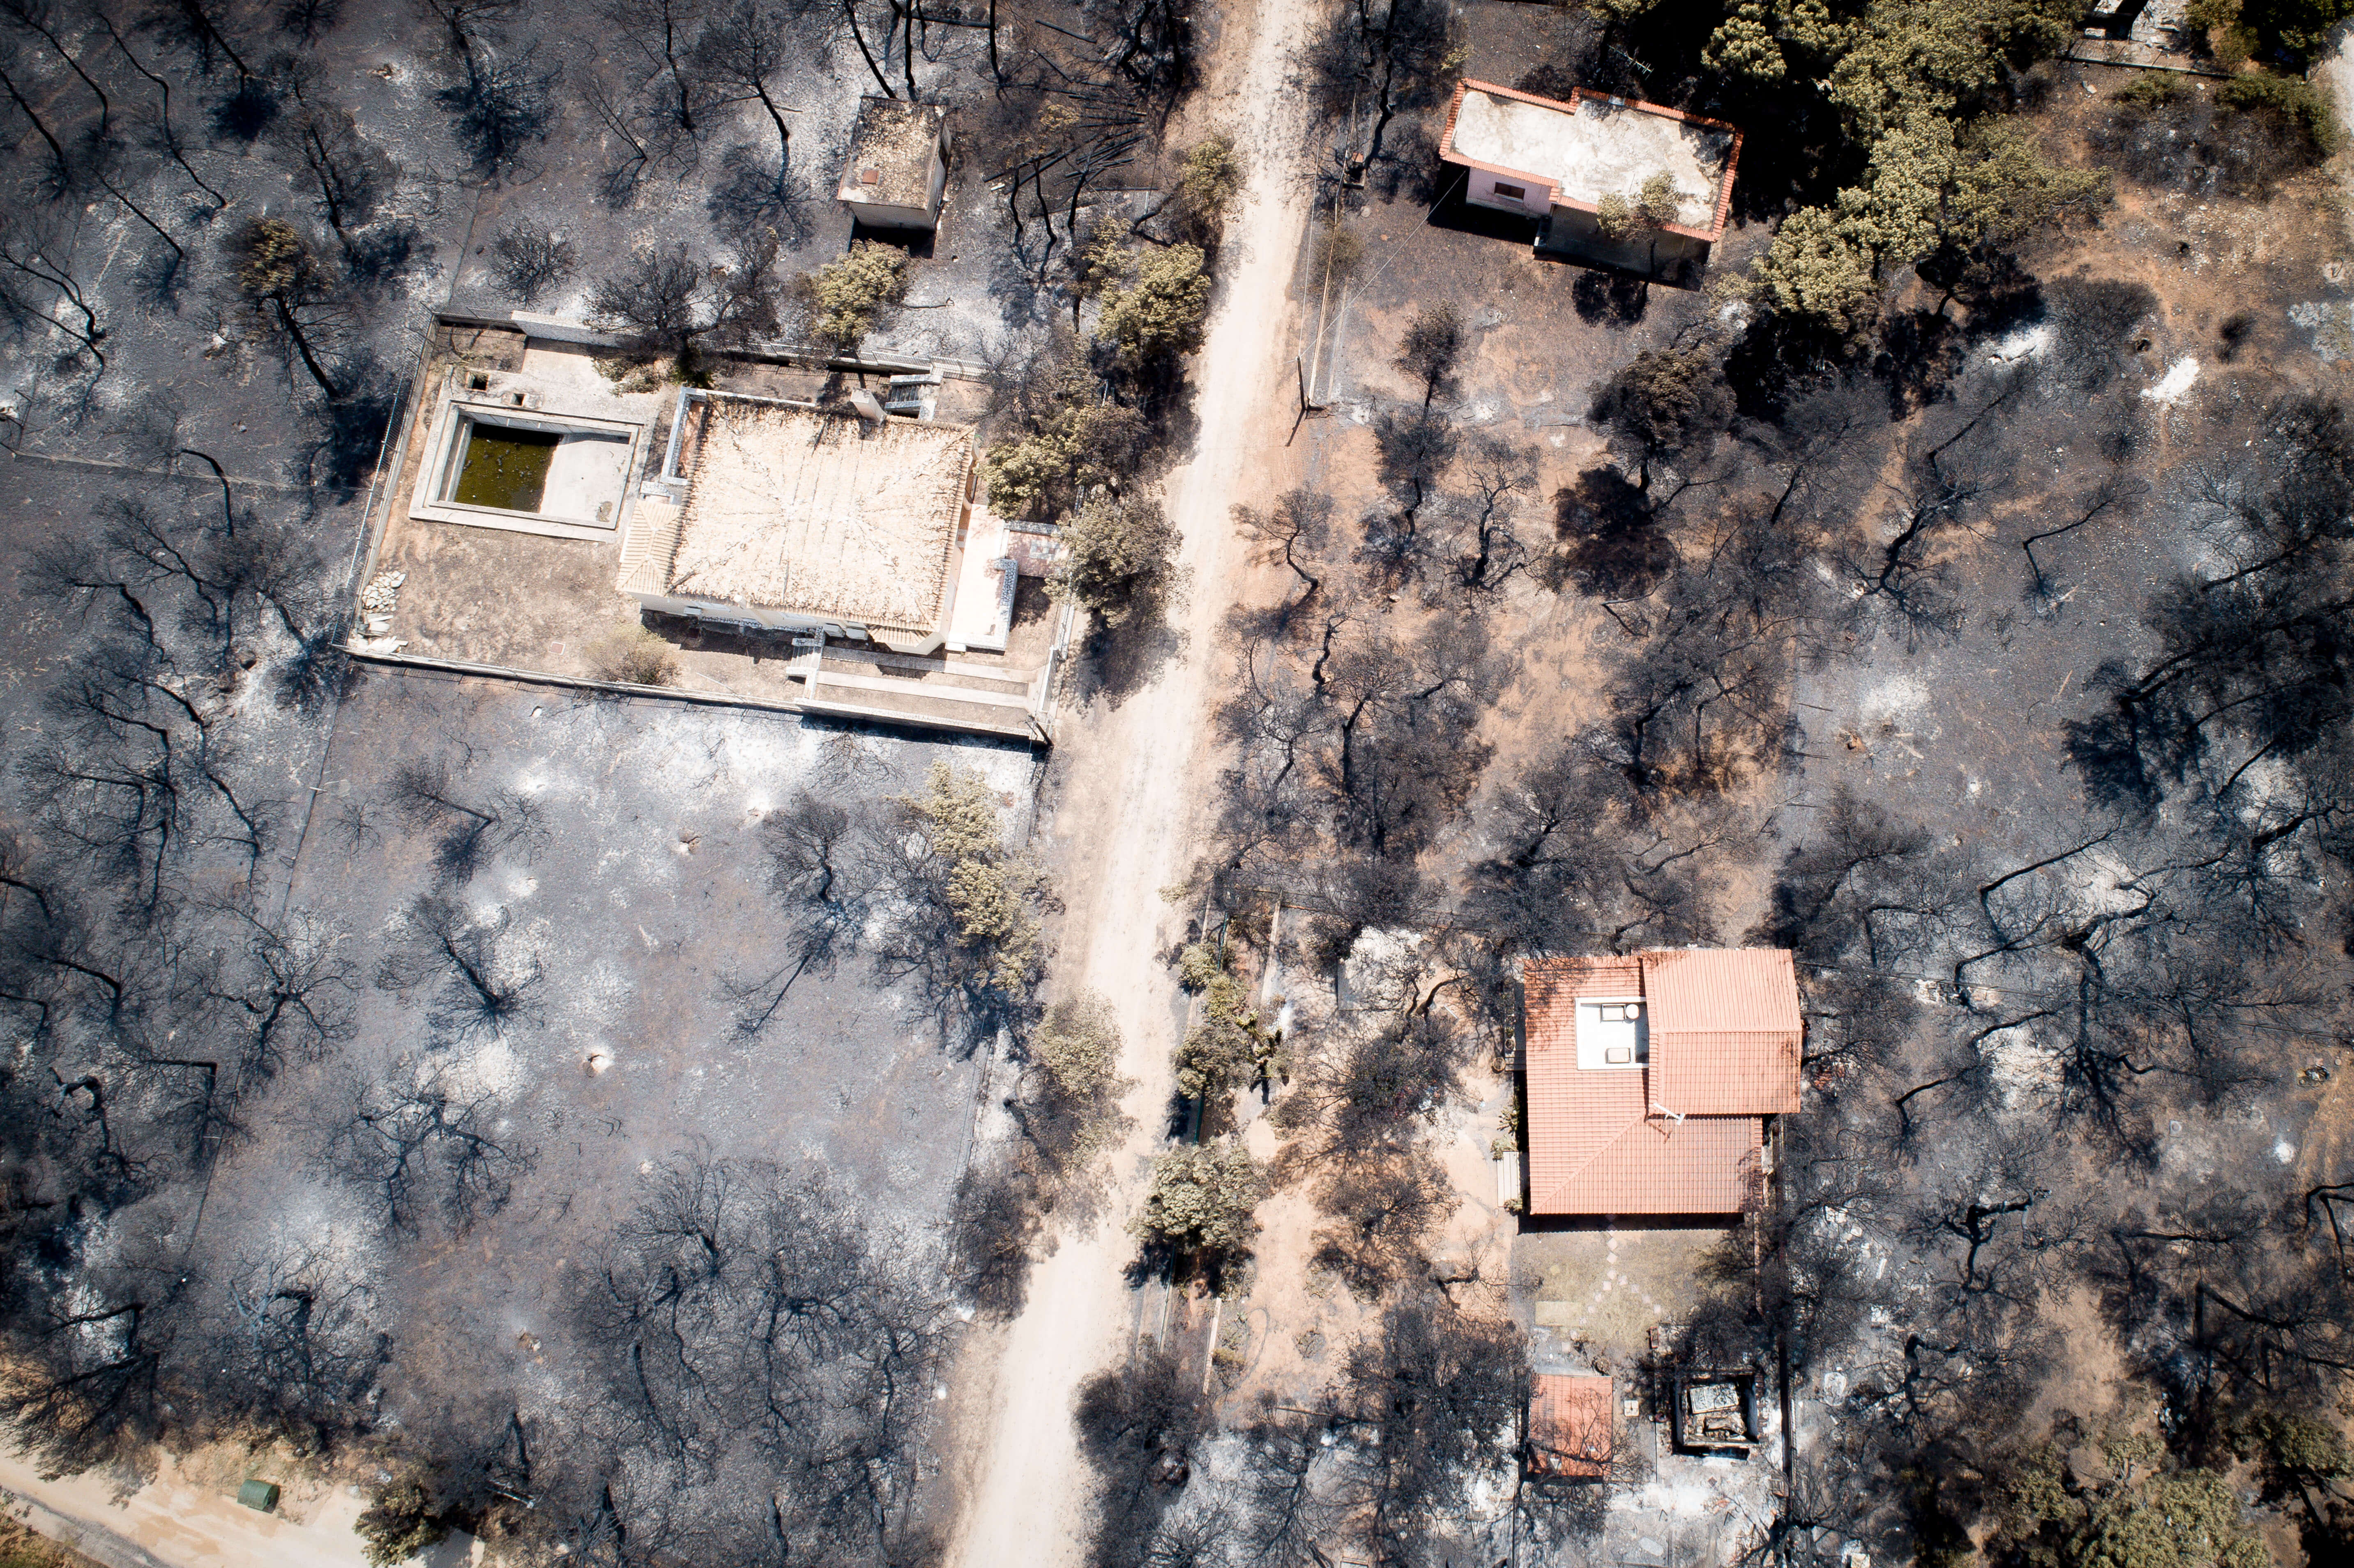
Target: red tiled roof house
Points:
x,y
1649,1078
1555,162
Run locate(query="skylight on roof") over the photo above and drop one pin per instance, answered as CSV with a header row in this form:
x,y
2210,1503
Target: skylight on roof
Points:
x,y
1613,1032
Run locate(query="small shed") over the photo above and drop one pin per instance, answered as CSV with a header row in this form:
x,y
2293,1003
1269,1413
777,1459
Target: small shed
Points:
x,y
898,165
1570,1427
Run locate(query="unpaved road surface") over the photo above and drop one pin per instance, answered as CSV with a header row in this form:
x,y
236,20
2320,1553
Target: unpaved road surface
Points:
x,y
1132,804
174,1521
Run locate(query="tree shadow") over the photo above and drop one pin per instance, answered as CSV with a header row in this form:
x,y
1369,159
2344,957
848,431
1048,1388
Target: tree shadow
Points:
x,y
1408,169
1115,663
159,276
245,112
993,1230
498,108
753,193
347,434
1606,297
1616,547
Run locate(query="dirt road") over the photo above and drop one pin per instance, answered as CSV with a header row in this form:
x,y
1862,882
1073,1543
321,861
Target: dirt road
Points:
x,y
186,1516
1131,802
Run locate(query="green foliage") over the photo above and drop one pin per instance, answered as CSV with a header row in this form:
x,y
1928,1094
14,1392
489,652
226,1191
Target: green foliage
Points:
x,y
993,892
1160,316
1103,264
2295,1446
1744,45
1201,1197
1227,1045
2301,26
272,259
845,295
2290,98
1657,204
1071,439
1925,188
1199,964
1903,59
633,654
1119,557
400,1524
1666,400
1816,269
1908,80
1208,180
2154,89
1076,1048
2148,1515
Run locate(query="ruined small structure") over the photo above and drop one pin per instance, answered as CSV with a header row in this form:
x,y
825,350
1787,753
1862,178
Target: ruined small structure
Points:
x,y
1650,1077
1713,1412
898,167
796,519
1559,164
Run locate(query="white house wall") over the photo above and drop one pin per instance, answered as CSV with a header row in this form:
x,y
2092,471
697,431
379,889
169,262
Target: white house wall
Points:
x,y
1535,200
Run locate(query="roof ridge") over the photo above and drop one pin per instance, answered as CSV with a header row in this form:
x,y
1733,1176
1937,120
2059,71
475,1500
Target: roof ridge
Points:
x,y
1606,1145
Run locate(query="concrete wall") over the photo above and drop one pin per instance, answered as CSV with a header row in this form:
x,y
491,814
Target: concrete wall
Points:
x,y
882,215
557,329
1669,258
1535,200
785,620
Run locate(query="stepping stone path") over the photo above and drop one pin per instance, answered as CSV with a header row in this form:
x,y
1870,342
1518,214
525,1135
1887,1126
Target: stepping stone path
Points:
x,y
1612,1278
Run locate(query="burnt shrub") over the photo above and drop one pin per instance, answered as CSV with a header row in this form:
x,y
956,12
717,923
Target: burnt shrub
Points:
x,y
2240,142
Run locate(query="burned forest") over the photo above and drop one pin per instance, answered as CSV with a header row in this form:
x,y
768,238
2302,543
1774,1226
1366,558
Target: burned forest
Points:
x,y
1097,782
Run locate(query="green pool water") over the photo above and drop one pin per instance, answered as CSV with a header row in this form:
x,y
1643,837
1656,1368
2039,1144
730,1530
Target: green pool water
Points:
x,y
505,468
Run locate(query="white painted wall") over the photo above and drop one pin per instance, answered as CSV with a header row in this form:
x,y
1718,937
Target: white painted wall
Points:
x,y
1482,192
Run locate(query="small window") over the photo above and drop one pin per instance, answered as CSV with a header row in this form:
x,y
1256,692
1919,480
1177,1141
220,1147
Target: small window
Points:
x,y
1511,193
1619,1055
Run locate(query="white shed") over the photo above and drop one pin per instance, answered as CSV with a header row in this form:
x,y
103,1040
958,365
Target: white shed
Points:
x,y
898,165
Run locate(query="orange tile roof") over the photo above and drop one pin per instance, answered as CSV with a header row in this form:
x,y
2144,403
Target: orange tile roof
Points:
x,y
1552,987
1725,1030
1570,1427
1599,1140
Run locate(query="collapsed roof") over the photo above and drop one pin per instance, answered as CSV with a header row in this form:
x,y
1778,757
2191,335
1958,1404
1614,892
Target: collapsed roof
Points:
x,y
819,514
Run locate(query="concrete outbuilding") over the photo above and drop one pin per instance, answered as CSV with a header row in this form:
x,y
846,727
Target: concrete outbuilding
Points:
x,y
1556,162
898,165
